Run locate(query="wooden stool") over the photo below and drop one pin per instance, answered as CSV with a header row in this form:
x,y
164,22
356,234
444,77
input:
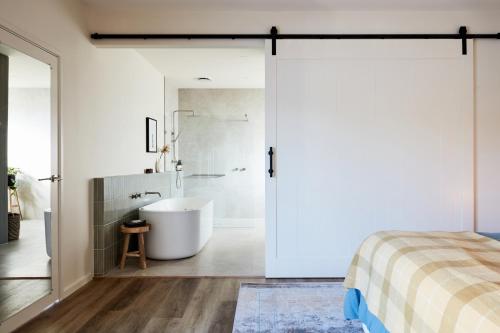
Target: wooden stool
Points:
x,y
141,254
14,201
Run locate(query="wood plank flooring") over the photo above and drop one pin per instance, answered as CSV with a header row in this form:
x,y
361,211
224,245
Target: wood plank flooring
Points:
x,y
149,304
17,294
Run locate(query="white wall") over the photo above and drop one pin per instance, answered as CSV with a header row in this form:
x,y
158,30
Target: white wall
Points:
x,y
29,147
105,97
487,60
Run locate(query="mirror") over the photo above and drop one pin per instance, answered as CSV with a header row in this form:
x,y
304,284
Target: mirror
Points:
x,y
25,148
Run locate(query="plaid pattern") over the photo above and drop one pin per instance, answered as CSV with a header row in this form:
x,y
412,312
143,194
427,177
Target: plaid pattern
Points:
x,y
430,281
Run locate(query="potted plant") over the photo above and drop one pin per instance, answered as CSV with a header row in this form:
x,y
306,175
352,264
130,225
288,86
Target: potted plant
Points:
x,y
11,177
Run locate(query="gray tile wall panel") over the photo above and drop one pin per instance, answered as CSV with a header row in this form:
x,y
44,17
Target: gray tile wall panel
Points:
x,y
112,206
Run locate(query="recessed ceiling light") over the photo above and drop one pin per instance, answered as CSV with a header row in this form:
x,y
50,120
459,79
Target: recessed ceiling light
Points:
x,y
202,78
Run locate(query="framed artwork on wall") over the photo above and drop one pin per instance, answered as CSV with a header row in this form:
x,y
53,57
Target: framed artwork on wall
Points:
x,y
151,138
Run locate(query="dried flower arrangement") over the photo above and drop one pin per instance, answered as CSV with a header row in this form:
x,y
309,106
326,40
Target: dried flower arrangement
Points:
x,y
163,152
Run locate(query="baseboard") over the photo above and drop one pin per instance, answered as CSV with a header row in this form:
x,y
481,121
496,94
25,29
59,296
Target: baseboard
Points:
x,y
236,223
76,285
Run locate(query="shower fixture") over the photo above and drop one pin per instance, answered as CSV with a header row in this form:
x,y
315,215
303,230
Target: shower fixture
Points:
x,y
244,119
153,193
174,139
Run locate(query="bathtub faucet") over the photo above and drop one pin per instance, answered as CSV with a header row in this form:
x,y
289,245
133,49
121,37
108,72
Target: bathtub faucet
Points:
x,y
148,193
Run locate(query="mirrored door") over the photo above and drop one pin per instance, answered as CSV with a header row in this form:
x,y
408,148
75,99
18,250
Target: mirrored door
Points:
x,y
29,148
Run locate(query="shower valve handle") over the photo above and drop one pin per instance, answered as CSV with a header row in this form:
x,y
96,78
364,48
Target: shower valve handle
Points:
x,y
271,169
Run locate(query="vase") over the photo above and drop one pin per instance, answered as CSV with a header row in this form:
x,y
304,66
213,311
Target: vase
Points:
x,y
157,165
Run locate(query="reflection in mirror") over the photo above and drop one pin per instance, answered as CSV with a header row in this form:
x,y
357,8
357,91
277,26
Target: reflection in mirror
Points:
x,y
25,148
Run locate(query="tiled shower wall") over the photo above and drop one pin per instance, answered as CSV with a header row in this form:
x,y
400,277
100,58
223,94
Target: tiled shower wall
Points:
x,y
219,141
113,206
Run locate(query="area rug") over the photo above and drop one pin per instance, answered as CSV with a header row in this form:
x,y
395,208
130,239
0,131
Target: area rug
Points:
x,y
292,307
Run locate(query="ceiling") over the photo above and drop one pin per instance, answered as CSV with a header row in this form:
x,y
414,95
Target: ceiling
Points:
x,y
307,5
226,67
25,71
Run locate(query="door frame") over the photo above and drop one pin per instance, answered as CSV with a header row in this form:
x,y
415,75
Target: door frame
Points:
x,y
12,39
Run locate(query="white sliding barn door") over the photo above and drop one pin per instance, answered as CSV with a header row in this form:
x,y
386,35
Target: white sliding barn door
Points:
x,y
368,136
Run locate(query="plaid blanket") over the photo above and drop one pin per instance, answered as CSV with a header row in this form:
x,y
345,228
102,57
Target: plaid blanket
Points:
x,y
430,281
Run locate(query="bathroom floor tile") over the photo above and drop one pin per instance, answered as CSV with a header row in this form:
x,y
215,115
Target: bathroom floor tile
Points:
x,y
230,252
26,257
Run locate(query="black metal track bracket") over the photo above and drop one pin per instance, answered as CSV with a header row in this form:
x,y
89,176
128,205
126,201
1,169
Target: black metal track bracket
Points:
x,y
274,35
463,33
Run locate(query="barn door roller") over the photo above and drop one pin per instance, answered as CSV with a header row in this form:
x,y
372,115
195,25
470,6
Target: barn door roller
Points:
x,y
463,33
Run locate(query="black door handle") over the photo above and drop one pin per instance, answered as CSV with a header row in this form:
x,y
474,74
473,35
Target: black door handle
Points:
x,y
271,170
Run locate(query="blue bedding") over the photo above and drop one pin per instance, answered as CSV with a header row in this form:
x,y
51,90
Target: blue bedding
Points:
x,y
494,235
355,308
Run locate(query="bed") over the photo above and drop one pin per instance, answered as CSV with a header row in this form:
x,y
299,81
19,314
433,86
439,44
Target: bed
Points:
x,y
425,282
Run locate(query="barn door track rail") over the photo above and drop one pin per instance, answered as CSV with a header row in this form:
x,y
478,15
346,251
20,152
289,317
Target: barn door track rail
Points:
x,y
274,35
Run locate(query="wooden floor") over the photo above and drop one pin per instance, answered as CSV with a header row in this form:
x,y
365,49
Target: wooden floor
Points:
x,y
25,269
147,305
16,295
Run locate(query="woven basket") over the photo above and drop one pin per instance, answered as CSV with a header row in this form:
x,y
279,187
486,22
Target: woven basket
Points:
x,y
14,226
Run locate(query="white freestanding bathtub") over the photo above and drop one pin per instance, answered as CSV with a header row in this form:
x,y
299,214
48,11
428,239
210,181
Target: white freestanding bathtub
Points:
x,y
180,227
